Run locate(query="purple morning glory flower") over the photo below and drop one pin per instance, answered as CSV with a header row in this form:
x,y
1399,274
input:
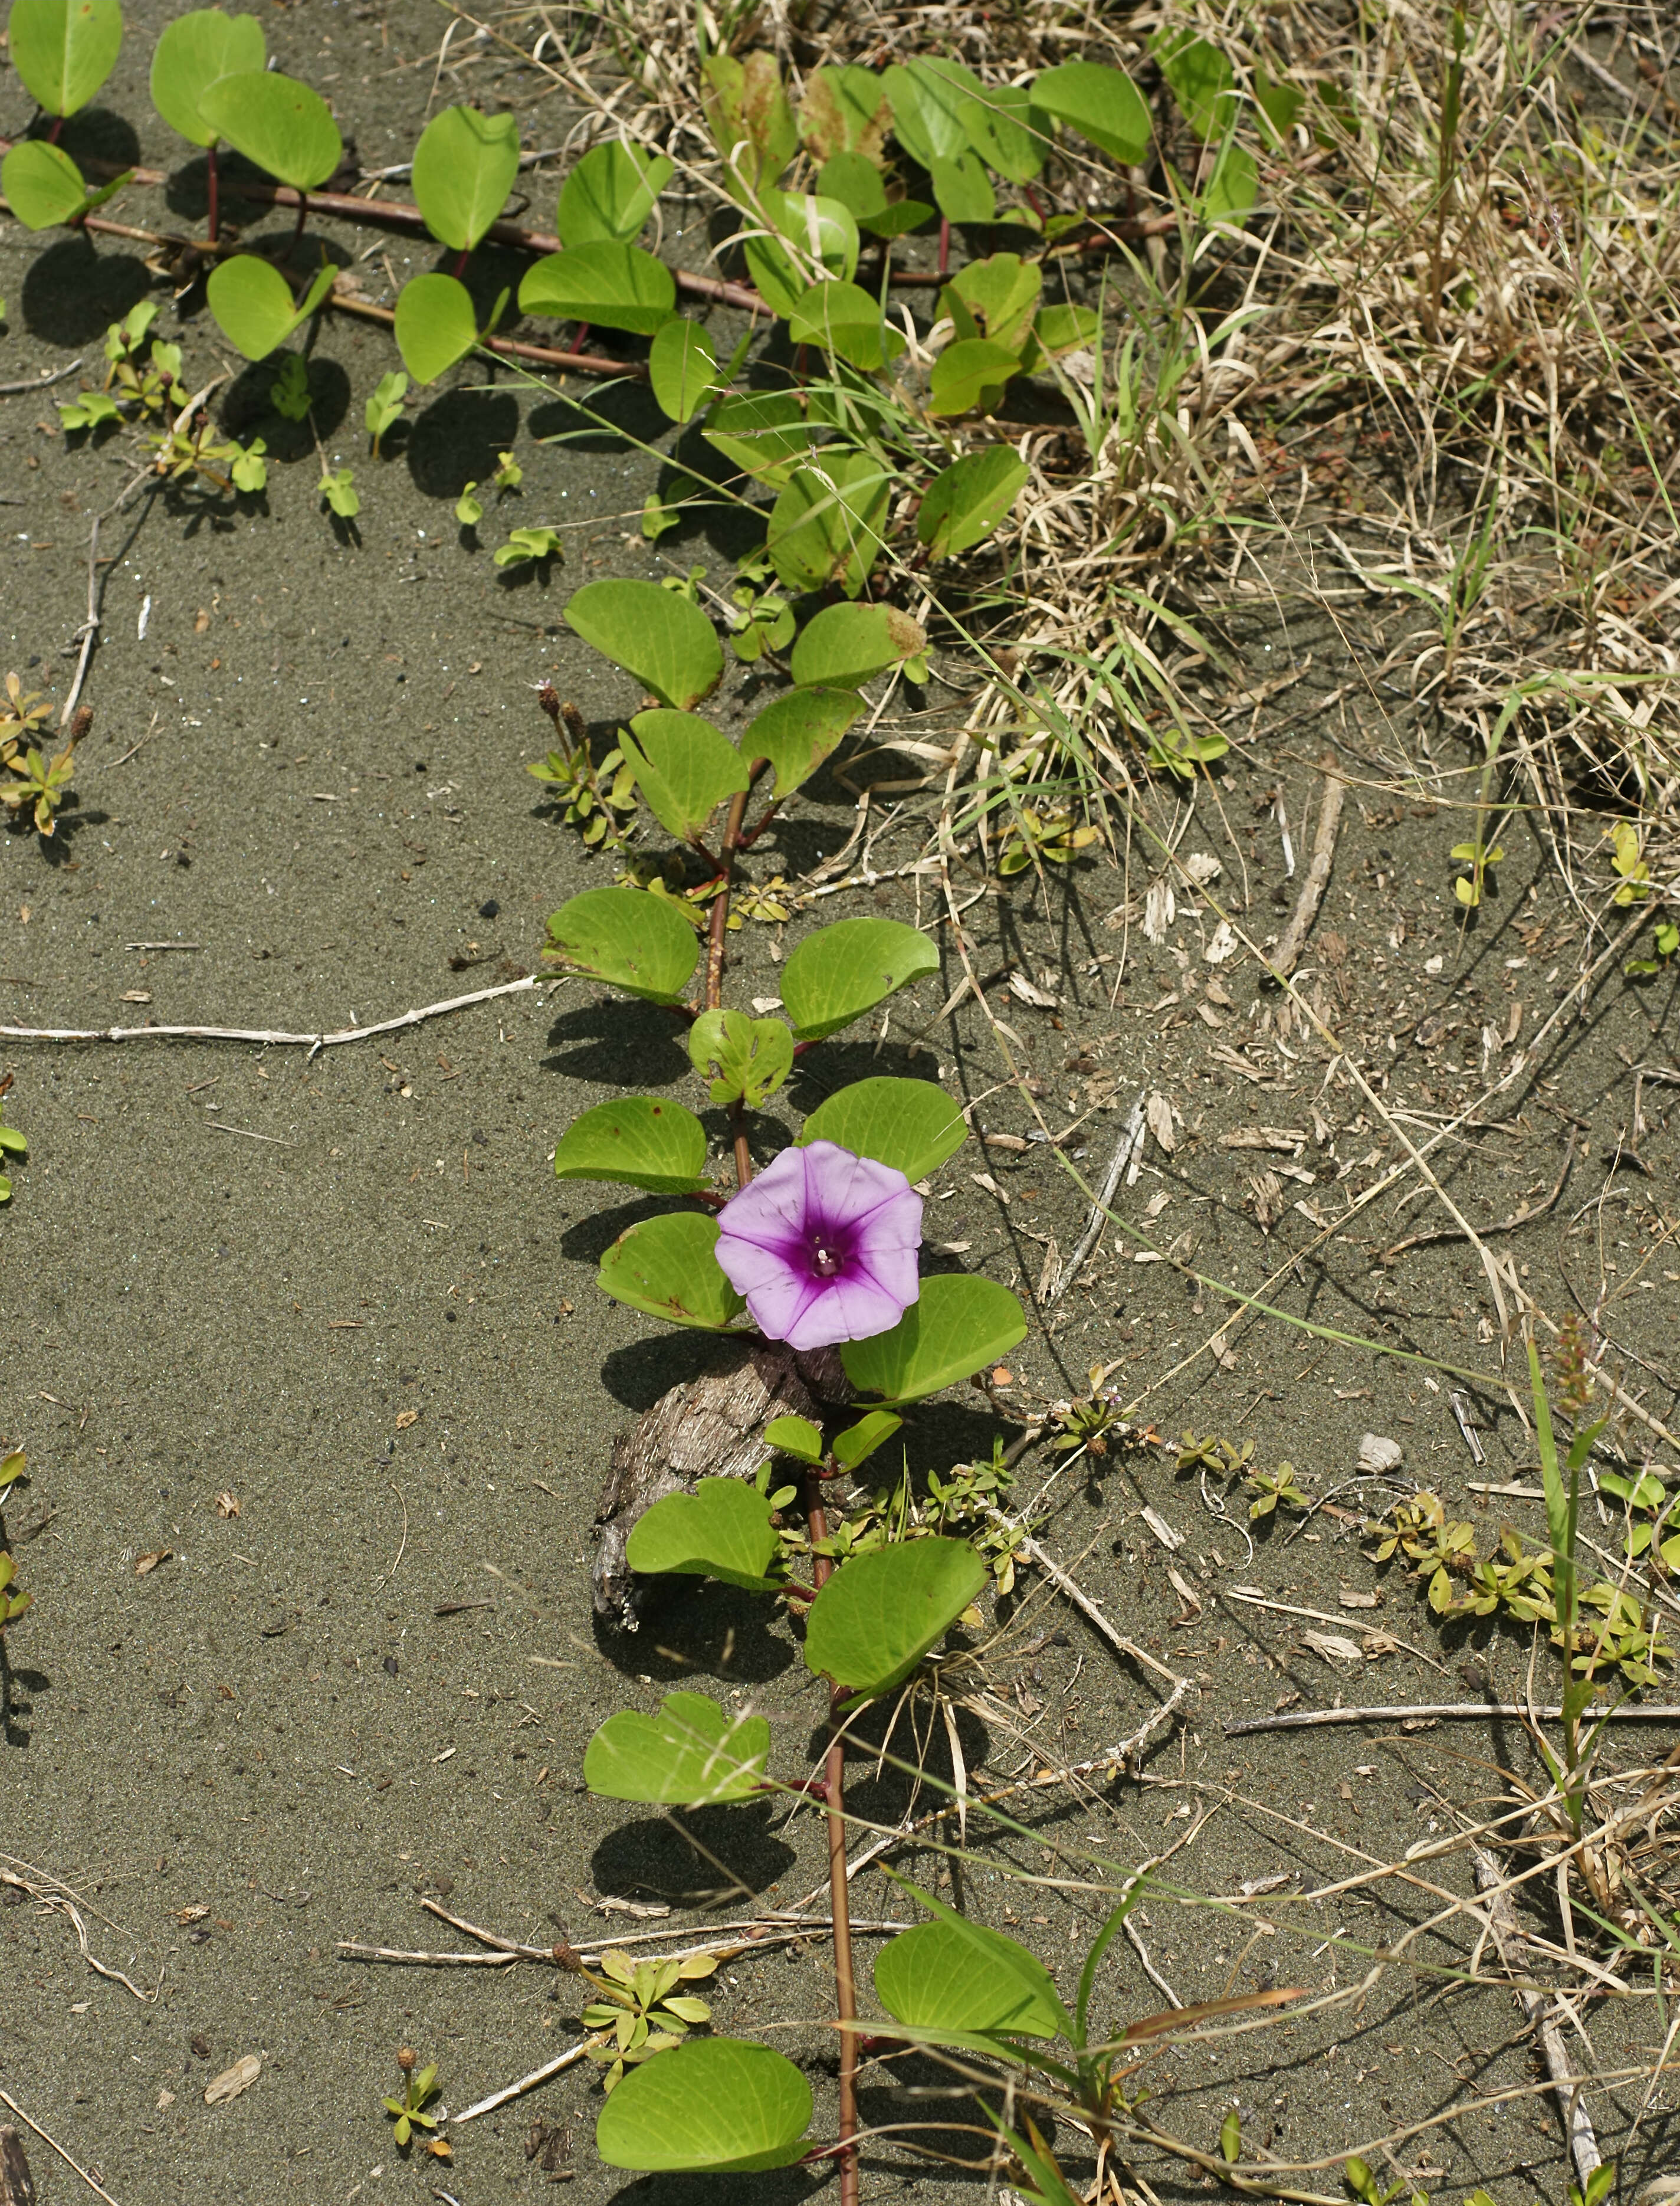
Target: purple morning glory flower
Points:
x,y
822,1245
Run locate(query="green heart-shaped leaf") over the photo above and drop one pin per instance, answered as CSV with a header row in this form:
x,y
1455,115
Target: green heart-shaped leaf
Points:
x,y
956,1326
963,190
253,305
684,768
683,368
855,181
191,54
692,1752
1201,80
721,1530
766,434
669,1268
712,2104
860,1441
965,503
882,1610
797,730
910,1124
745,1059
465,166
1005,132
995,298
643,1140
842,971
827,525
609,195
628,939
845,319
845,645
618,285
1102,103
960,1975
667,644
44,187
794,1436
276,121
436,326
64,49
970,376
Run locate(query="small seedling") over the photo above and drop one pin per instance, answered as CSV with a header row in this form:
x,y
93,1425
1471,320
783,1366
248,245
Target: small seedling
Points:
x,y
1632,873
506,480
635,2004
384,408
338,489
419,2088
12,1605
1034,835
91,411
12,1144
1093,1421
23,715
1481,857
594,797
42,782
524,544
1667,942
1269,1488
288,393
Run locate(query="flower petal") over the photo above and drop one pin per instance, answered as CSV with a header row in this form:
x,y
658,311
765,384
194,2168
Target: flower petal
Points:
x,y
850,1308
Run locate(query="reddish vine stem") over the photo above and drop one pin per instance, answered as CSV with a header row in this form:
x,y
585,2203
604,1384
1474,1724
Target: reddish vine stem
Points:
x,y
816,1517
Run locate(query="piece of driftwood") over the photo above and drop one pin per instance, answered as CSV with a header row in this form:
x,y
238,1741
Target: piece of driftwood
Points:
x,y
1318,873
707,1428
17,2185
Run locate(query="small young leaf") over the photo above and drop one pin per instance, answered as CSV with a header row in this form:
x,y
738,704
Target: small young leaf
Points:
x,y
971,375
1102,103
628,939
691,1754
745,1059
618,285
684,768
276,121
1230,2138
643,1140
436,326
860,1441
845,645
668,1268
960,1975
965,503
666,643
841,971
465,166
191,54
64,49
683,368
721,1530
881,1610
526,544
910,1124
384,408
338,487
826,528
44,185
958,1326
609,195
794,1436
845,319
797,730
714,2105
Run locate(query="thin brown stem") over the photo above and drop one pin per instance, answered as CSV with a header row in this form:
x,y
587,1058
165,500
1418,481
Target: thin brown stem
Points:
x,y
845,1979
720,905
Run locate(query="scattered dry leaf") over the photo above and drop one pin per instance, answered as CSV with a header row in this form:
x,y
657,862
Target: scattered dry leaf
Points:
x,y
1159,910
1333,1647
147,1564
232,2081
1159,1111
227,1503
1186,1593
186,1915
1022,987
1224,945
1347,1599
1170,1539
405,1418
135,996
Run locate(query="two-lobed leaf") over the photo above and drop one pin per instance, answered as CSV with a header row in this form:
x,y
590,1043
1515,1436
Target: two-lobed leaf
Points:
x,y
970,375
826,528
967,500
669,1268
957,1975
882,1610
606,281
465,166
845,645
64,49
276,121
845,319
683,368
643,1140
745,1059
841,971
436,325
253,305
43,186
691,1754
628,939
995,298
797,731
721,1530
712,2105
910,1124
766,433
191,53
684,768
1102,103
957,1325
610,193
666,643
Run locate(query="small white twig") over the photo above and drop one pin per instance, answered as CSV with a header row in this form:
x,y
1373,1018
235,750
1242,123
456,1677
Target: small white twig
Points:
x,y
270,1038
1128,1144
